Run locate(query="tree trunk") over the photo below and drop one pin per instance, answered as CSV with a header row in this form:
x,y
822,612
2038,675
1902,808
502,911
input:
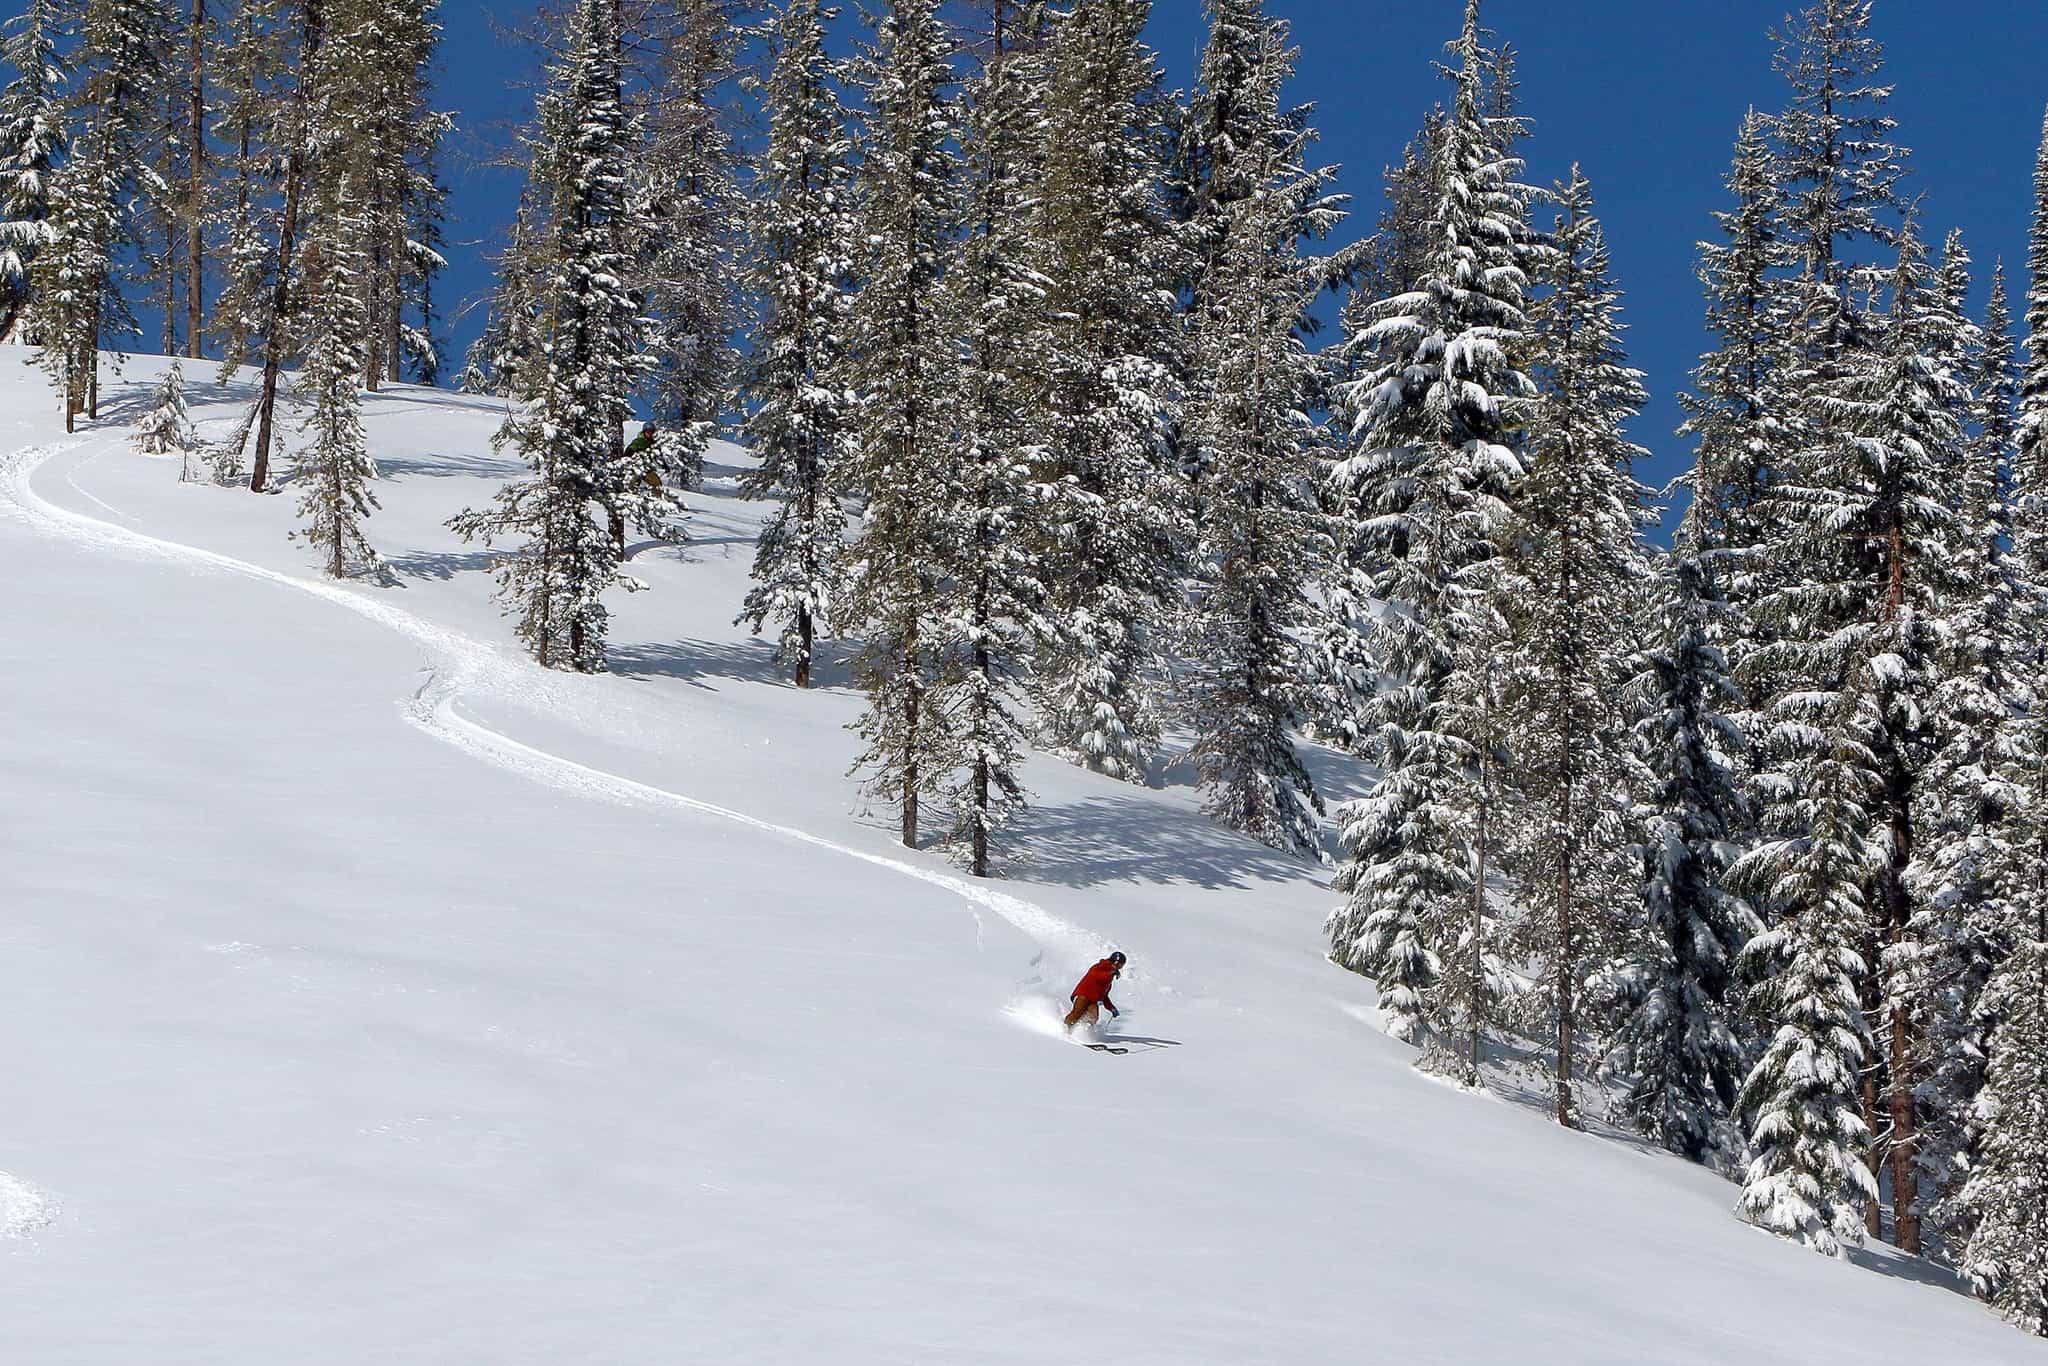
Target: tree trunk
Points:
x,y
1565,1004
280,289
195,187
167,337
336,567
805,631
913,704
1478,965
1904,1074
394,315
1867,1092
378,273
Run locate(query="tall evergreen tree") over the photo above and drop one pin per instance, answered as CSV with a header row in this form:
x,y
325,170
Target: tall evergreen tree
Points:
x,y
1436,459
1807,1178
335,467
1838,172
902,365
244,61
1966,798
1735,412
1573,558
193,207
395,143
2001,1210
993,592
1115,540
2030,436
1252,384
300,29
99,195
1869,523
799,416
691,206
1677,1045
592,358
31,141
2006,1255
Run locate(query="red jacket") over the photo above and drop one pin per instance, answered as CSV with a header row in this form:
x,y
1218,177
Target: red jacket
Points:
x,y
1095,983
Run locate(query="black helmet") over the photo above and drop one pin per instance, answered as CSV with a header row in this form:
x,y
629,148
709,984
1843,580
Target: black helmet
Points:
x,y
1117,957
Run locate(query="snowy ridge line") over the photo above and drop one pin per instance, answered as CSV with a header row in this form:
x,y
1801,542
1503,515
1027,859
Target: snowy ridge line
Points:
x,y
456,662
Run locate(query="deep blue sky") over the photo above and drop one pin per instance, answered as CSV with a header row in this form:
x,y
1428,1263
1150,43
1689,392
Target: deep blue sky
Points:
x,y
1645,94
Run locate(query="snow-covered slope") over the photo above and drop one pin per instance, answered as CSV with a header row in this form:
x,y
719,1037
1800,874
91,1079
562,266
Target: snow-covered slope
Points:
x,y
370,995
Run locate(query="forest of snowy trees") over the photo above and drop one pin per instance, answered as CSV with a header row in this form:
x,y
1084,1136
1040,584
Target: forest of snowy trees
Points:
x,y
1033,358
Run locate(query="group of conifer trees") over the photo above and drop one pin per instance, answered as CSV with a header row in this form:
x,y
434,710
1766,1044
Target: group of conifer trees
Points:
x,y
1024,346
257,177
1023,361
1754,828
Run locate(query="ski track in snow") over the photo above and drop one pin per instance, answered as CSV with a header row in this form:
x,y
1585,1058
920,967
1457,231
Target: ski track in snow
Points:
x,y
458,663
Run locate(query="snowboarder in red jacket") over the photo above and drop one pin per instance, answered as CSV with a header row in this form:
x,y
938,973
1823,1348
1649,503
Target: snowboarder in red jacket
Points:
x,y
1091,993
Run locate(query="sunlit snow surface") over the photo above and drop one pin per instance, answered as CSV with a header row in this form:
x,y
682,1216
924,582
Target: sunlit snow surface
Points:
x,y
370,995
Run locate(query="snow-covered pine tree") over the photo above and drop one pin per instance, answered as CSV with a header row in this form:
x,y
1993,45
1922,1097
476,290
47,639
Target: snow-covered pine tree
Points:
x,y
902,364
1677,1045
1343,673
165,237
298,27
798,415
190,114
1966,798
506,358
990,495
1252,384
1996,386
1434,464
1734,411
2001,1211
335,467
1837,172
394,144
592,358
423,203
2006,1195
98,196
2030,435
692,205
1573,555
1860,656
1109,258
244,61
1226,122
1807,1178
31,140
1398,251
166,429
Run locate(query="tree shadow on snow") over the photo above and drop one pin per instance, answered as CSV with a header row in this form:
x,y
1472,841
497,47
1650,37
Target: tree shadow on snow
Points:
x,y
701,662
1137,839
440,400
439,466
440,565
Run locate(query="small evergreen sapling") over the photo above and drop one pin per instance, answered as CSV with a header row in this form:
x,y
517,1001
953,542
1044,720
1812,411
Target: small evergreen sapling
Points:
x,y
167,428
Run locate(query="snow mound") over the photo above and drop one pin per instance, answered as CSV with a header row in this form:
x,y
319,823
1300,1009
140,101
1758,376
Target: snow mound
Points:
x,y
23,1208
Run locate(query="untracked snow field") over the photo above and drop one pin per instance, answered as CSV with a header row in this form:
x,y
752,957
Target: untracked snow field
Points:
x,y
369,995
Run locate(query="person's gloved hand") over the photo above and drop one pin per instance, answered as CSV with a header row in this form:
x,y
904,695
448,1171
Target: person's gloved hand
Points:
x,y
1115,1014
